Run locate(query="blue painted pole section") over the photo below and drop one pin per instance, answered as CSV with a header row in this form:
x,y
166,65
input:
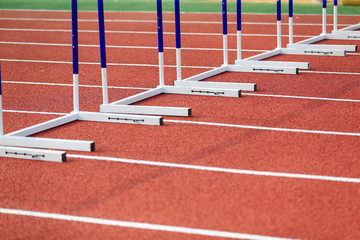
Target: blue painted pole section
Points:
x,y
278,8
160,26
177,24
335,3
291,8
102,33
75,44
238,14
324,3
224,15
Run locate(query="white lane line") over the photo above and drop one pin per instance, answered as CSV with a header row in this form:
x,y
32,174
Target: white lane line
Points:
x,y
266,128
31,112
292,130
126,47
141,88
153,65
138,225
145,32
154,21
219,169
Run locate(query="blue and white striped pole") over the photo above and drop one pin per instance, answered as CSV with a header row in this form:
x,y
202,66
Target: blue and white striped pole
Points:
x,y
225,31
291,22
160,42
103,51
238,25
178,39
324,17
335,15
75,52
1,110
278,23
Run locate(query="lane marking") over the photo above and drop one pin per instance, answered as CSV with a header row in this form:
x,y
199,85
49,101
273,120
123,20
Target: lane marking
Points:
x,y
154,21
154,65
293,130
141,88
145,32
126,47
138,225
219,169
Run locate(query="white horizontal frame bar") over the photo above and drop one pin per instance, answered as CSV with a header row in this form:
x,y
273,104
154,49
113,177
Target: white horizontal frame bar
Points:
x,y
217,92
45,126
139,97
259,68
120,118
264,55
351,28
300,65
338,36
227,85
33,154
312,40
350,48
47,143
147,110
207,74
321,52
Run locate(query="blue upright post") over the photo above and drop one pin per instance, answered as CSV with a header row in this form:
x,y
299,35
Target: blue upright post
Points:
x,y
75,53
238,25
278,22
225,31
178,39
335,15
160,42
324,17
102,50
291,22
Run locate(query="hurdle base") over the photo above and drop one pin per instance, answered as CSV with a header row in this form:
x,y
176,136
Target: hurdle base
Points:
x,y
33,154
299,65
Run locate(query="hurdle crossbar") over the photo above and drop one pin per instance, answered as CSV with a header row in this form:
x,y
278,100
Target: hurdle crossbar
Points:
x,y
126,105
325,49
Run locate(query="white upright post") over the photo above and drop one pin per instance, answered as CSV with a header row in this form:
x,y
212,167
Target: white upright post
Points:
x,y
324,18
104,86
335,16
76,92
161,69
178,64
225,46
225,32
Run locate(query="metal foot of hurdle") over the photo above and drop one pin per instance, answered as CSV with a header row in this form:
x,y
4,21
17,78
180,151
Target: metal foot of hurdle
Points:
x,y
347,33
125,105
18,145
255,64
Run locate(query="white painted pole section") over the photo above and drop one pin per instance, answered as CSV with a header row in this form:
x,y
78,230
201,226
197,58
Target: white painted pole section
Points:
x,y
76,92
335,18
324,21
225,46
1,118
238,45
291,31
161,69
104,85
178,63
278,23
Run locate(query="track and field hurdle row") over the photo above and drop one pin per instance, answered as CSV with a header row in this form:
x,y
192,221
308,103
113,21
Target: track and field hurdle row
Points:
x,y
18,145
343,34
220,90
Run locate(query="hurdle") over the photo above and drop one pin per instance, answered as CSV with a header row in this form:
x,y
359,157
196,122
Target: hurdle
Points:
x,y
125,105
342,34
20,138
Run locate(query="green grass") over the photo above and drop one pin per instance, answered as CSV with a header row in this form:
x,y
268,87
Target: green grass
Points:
x,y
186,6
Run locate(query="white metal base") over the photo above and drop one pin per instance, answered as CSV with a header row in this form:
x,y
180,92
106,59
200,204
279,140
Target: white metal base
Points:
x,y
33,154
299,65
124,105
347,48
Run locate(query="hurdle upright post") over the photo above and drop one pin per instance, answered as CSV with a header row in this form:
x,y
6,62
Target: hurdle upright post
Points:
x,y
278,23
160,43
291,22
324,18
225,31
238,26
178,39
103,51
75,53
335,15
